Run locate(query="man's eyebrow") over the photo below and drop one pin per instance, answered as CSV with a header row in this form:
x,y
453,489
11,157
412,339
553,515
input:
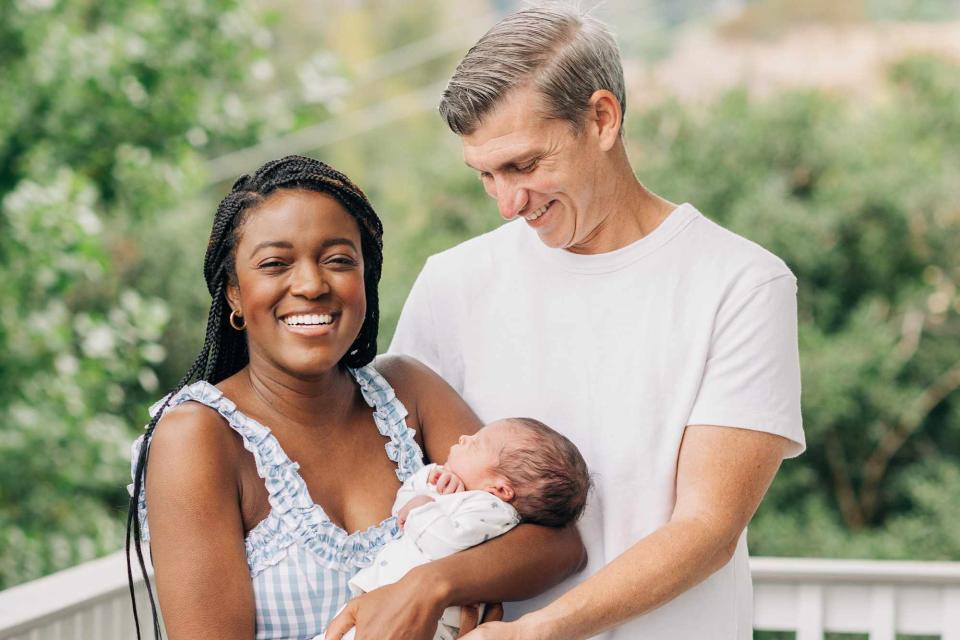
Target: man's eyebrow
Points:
x,y
283,244
513,162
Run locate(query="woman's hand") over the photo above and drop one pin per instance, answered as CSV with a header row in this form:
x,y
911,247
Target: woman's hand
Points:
x,y
406,610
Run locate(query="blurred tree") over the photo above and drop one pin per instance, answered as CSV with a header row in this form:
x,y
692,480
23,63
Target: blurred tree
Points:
x,y
103,108
861,202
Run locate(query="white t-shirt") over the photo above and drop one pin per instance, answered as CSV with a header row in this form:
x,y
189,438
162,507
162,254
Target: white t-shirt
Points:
x,y
619,351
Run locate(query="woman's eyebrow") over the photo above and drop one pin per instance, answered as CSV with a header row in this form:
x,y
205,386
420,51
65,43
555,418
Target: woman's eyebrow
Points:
x,y
278,244
335,241
283,244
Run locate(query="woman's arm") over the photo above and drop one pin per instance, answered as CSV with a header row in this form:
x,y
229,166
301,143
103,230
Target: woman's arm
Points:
x,y
520,564
196,529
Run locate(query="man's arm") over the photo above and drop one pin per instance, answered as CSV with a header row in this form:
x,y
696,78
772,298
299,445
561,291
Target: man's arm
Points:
x,y
722,475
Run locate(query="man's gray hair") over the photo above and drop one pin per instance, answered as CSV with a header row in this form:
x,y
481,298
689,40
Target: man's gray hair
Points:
x,y
564,53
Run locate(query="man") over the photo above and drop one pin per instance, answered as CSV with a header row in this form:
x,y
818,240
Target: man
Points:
x,y
663,345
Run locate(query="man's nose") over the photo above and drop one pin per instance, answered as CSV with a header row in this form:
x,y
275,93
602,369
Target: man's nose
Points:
x,y
511,200
309,281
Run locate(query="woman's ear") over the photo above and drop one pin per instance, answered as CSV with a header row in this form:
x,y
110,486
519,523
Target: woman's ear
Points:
x,y
233,298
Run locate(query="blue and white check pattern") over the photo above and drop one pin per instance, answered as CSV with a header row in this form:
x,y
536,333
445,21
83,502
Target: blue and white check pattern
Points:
x,y
300,562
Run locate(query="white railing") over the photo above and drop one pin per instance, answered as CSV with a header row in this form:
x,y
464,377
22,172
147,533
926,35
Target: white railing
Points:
x,y
879,598
806,596
88,602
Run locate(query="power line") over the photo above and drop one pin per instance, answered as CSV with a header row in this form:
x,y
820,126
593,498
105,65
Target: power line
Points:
x,y
325,133
430,48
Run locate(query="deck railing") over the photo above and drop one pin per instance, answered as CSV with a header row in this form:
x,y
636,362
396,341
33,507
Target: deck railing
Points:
x,y
88,602
880,598
806,596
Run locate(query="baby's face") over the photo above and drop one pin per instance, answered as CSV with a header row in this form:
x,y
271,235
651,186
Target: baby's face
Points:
x,y
475,458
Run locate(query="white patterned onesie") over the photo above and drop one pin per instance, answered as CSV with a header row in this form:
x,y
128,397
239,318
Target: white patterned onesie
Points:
x,y
451,523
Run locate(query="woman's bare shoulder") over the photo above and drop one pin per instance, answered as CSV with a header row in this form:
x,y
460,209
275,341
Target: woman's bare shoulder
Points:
x,y
406,371
415,383
193,437
441,414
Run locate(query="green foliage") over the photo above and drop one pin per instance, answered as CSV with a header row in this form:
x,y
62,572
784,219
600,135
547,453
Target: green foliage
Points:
x,y
861,203
102,107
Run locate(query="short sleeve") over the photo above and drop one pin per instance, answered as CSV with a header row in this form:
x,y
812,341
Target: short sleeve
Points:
x,y
420,336
752,375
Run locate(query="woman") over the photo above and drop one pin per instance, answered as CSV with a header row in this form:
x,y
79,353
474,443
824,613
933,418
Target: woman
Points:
x,y
273,465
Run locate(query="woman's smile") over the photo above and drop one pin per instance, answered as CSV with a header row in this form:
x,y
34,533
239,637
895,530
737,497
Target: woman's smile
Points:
x,y
310,324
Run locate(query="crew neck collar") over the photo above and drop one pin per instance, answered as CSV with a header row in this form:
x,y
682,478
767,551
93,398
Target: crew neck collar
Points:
x,y
595,263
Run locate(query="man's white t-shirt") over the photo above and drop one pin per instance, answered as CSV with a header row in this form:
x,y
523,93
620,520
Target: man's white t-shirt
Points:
x,y
620,351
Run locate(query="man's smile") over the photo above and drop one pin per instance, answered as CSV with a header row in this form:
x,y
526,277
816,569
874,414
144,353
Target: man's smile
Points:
x,y
533,216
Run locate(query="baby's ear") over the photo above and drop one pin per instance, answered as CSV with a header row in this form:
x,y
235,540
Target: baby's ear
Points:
x,y
502,490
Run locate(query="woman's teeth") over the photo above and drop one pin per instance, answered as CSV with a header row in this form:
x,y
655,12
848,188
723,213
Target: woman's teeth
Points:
x,y
530,217
309,319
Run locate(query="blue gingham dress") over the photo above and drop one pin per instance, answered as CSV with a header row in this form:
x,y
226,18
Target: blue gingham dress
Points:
x,y
299,560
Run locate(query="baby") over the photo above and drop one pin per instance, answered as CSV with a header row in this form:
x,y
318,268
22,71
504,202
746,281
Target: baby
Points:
x,y
510,471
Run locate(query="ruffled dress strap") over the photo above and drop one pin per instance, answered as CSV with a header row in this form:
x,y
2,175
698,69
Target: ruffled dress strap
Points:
x,y
390,416
294,517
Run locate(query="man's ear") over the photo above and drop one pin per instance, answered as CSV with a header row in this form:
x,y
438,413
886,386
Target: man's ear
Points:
x,y
605,115
502,489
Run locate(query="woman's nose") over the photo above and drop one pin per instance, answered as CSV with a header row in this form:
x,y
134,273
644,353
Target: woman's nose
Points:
x,y
309,282
463,440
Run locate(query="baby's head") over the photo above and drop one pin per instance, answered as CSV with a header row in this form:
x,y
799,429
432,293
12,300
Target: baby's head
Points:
x,y
526,463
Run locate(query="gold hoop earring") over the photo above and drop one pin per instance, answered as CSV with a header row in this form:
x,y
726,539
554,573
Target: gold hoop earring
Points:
x,y
233,321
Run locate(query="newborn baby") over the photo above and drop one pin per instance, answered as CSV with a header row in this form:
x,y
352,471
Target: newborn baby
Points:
x,y
511,471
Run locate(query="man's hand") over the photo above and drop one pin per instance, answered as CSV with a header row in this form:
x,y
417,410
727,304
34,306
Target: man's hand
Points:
x,y
493,631
446,481
468,618
405,510
516,630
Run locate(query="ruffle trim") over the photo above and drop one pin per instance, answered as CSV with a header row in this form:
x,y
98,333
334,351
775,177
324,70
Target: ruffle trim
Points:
x,y
390,417
294,518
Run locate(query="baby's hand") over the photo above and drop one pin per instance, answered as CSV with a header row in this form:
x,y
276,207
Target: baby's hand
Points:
x,y
446,481
405,510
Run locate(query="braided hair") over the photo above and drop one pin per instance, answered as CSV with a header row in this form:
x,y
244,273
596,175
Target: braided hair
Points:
x,y
224,350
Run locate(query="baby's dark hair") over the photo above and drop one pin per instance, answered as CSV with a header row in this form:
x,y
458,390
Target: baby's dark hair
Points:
x,y
224,350
549,475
